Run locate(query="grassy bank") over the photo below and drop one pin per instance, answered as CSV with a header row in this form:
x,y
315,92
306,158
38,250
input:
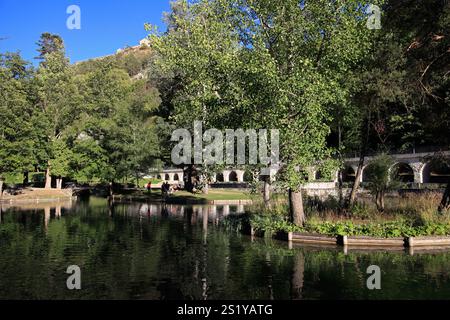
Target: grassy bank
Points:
x,y
187,197
37,194
139,195
414,215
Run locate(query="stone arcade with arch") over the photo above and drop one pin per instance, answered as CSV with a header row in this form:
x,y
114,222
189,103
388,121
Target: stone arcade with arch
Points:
x,y
177,175
411,168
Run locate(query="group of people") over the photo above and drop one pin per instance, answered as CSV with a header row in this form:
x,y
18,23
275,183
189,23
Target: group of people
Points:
x,y
166,188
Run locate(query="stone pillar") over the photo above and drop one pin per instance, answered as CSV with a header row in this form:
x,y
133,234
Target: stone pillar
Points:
x,y
240,175
273,170
417,169
336,177
226,175
171,177
311,171
240,208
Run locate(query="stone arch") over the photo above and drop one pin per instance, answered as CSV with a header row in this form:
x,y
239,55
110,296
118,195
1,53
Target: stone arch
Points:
x,y
402,171
348,174
435,173
166,177
248,176
219,177
365,173
176,177
318,175
233,177
305,175
158,176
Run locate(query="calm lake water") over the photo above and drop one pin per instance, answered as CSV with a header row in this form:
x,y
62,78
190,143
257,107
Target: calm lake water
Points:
x,y
140,251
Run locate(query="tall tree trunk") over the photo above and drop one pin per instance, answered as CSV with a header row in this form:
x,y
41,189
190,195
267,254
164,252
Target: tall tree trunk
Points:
x,y
296,207
355,187
1,187
111,191
377,200
341,204
25,178
266,192
340,191
445,202
48,179
59,183
362,155
189,185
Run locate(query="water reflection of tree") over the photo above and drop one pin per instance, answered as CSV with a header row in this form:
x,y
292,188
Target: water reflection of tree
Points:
x,y
298,276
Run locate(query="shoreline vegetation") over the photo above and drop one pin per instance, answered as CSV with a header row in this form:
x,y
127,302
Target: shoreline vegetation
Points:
x,y
408,216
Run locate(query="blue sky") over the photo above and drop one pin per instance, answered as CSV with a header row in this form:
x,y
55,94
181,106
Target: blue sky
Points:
x,y
106,25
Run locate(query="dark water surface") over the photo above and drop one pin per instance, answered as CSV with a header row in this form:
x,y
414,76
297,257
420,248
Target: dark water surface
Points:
x,y
140,251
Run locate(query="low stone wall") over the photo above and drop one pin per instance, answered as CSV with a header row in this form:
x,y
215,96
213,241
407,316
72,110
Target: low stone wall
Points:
x,y
37,200
371,241
428,241
311,238
361,242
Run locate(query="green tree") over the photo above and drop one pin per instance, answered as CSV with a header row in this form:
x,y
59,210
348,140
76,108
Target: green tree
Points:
x,y
404,86
16,130
266,65
49,43
119,117
56,97
380,173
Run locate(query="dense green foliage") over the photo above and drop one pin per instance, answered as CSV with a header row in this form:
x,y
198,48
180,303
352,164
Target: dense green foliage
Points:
x,y
91,124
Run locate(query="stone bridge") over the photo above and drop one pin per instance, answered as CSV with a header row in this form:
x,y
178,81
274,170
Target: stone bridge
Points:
x,y
410,168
